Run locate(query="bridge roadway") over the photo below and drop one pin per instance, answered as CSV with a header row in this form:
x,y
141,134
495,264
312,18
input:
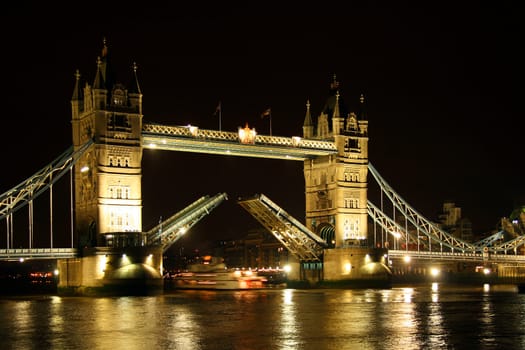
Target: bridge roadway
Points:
x,y
37,253
483,257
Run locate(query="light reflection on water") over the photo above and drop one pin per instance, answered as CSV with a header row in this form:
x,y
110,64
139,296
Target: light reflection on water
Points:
x,y
422,317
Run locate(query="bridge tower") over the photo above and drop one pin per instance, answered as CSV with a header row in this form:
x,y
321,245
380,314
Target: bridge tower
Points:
x,y
108,196
336,185
336,190
113,250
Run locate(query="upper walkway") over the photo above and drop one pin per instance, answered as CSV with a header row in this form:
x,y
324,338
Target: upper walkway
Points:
x,y
242,143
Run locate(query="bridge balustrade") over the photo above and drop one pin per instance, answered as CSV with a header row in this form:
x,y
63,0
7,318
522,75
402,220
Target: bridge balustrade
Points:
x,y
424,255
195,132
41,253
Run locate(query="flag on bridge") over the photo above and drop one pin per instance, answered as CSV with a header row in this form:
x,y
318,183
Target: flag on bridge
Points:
x,y
217,112
217,109
266,113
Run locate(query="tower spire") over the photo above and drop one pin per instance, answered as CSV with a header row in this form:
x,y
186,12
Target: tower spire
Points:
x,y
76,90
361,114
308,126
99,78
134,86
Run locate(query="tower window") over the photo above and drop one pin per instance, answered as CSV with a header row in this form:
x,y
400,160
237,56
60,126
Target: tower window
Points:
x,y
118,122
118,97
119,192
351,176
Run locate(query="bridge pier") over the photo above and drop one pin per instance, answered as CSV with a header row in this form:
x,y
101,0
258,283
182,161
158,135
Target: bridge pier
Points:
x,y
351,267
355,267
109,271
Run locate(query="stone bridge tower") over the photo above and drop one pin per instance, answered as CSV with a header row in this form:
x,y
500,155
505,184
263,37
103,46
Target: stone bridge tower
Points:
x,y
336,185
108,196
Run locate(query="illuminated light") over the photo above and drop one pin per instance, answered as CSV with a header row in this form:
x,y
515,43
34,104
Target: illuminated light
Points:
x,y
164,141
193,130
248,273
348,267
56,272
396,234
102,263
152,145
287,268
247,135
486,271
125,260
237,273
434,272
21,260
296,140
406,258
84,169
435,287
183,230
486,287
367,258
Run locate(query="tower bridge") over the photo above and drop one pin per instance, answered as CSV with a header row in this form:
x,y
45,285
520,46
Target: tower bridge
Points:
x,y
344,237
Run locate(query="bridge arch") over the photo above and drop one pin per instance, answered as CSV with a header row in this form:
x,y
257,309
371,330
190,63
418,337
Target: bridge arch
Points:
x,y
327,232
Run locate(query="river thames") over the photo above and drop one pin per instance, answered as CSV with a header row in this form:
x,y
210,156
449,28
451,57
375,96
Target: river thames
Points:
x,y
419,317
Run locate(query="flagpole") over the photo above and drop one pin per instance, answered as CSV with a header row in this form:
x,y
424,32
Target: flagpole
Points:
x,y
270,122
268,112
218,112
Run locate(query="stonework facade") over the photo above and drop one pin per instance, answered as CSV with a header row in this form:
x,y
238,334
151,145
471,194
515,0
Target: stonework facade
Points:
x,y
336,185
108,192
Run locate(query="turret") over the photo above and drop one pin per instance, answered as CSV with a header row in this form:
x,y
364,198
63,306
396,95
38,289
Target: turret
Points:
x,y
100,92
134,92
362,116
76,98
308,126
338,122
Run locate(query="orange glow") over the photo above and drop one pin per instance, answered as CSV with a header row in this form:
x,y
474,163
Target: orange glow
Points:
x,y
247,135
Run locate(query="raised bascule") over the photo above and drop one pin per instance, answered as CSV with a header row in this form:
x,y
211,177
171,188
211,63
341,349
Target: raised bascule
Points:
x,y
335,246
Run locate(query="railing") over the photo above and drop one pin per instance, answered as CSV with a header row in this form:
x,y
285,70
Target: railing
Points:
x,y
40,253
425,255
215,135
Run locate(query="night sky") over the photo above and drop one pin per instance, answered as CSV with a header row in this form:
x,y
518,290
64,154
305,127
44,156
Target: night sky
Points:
x,y
440,85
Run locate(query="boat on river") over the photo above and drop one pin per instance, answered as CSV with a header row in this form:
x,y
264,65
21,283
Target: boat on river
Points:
x,y
212,273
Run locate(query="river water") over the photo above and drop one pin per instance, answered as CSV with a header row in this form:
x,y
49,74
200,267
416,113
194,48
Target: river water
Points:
x,y
420,317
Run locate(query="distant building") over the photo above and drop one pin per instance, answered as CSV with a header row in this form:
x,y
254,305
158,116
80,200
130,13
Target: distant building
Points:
x,y
515,223
450,220
258,249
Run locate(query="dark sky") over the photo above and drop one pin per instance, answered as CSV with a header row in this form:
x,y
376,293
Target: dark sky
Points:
x,y
440,85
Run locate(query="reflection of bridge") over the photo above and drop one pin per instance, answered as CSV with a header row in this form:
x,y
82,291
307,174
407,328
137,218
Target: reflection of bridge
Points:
x,y
105,191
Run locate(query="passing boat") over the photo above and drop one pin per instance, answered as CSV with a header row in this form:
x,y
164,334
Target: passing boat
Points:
x,y
212,273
